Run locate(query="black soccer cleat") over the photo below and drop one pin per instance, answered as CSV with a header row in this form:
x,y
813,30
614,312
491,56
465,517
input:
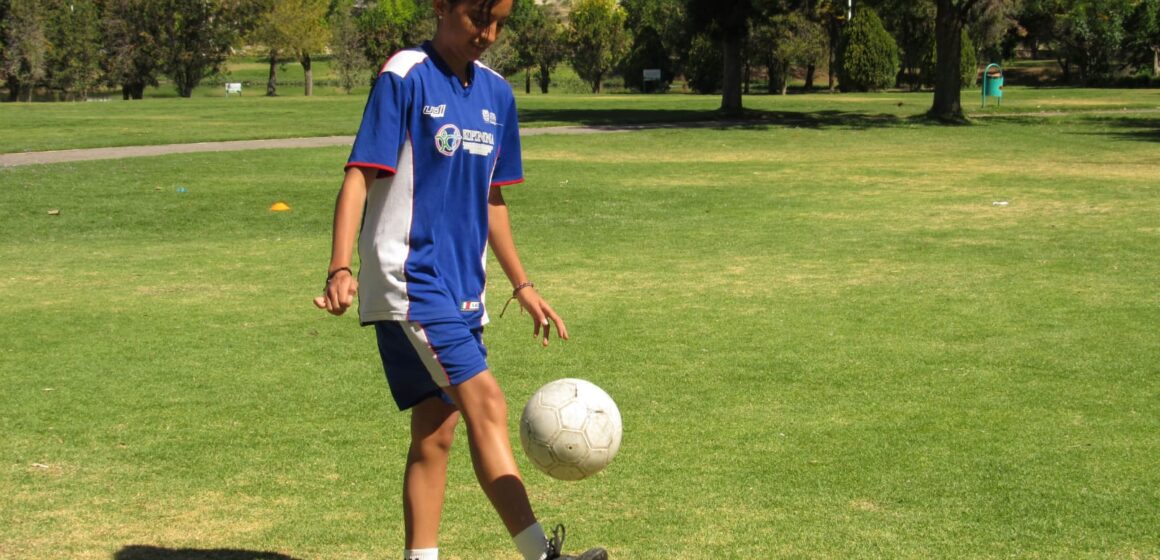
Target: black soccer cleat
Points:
x,y
556,543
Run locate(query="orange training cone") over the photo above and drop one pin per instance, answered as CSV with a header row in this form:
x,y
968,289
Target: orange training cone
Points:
x,y
280,207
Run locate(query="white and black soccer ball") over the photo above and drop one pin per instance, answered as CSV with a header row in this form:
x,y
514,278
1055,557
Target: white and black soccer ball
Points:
x,y
570,429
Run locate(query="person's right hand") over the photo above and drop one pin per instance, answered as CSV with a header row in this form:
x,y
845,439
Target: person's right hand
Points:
x,y
339,292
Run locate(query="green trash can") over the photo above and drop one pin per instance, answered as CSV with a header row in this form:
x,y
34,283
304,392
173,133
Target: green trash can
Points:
x,y
993,84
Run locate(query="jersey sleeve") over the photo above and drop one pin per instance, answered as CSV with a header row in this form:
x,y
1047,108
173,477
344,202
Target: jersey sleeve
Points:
x,y
509,167
384,125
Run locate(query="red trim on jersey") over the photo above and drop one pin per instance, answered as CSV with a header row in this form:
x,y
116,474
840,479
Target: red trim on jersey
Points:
x,y
506,183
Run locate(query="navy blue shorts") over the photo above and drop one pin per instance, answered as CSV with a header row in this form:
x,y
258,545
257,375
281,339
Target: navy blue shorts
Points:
x,y
421,359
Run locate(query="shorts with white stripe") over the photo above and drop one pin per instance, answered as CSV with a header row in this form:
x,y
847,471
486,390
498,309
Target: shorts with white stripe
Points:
x,y
421,359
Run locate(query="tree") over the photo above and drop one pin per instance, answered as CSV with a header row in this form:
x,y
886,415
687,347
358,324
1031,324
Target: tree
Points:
x,y
989,26
132,30
296,28
869,55
727,23
311,35
549,45
539,41
4,42
75,59
912,26
1037,23
1143,36
786,41
25,48
951,18
522,24
196,37
348,59
384,26
660,39
968,63
1091,36
597,39
273,35
703,70
502,57
832,14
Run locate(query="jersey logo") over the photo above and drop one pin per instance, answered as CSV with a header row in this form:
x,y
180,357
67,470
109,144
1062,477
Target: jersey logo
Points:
x,y
447,140
468,306
436,111
478,143
490,117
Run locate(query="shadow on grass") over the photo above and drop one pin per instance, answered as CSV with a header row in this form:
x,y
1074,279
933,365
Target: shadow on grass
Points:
x,y
140,552
1129,128
631,119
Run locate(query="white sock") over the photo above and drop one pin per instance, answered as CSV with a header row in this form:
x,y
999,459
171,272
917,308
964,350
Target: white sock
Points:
x,y
421,554
532,542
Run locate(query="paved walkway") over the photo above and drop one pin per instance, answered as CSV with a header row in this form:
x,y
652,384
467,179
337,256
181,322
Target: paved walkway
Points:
x,y
64,156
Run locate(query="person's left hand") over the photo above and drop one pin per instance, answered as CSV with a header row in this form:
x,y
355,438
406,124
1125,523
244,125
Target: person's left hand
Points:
x,y
543,316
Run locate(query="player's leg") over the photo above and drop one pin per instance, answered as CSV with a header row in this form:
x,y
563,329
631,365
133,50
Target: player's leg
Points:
x,y
412,373
425,479
455,359
482,403
485,410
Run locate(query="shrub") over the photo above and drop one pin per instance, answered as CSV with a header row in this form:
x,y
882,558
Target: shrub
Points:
x,y
968,64
868,54
704,69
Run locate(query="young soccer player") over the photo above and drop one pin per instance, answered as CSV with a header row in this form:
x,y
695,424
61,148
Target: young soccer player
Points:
x,y
438,140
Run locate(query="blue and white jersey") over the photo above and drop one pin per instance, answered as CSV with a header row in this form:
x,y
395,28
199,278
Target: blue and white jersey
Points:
x,y
439,147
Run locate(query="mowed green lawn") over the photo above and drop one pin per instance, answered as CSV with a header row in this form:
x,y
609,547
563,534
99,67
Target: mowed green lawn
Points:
x,y
840,337
31,127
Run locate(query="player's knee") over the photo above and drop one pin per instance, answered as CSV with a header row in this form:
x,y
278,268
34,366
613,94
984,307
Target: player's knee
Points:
x,y
434,444
491,410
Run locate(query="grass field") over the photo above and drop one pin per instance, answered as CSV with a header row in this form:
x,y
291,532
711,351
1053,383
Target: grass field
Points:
x,y
826,338
57,126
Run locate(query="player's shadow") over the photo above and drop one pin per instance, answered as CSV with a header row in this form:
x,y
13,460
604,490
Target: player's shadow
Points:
x,y
142,552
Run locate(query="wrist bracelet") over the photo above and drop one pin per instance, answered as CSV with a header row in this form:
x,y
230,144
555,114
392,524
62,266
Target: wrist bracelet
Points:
x,y
330,276
522,286
514,293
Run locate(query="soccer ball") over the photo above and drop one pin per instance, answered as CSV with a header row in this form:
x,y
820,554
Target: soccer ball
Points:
x,y
570,429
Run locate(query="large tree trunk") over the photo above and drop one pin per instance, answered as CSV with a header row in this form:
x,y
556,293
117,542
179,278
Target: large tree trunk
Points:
x,y
309,71
731,81
947,105
1156,61
272,81
528,81
810,71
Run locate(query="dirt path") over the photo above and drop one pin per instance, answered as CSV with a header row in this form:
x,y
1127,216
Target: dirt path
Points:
x,y
64,156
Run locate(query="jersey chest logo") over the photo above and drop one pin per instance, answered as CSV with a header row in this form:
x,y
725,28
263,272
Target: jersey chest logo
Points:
x,y
447,139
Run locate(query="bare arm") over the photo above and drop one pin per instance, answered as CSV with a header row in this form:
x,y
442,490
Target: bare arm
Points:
x,y
341,286
499,237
